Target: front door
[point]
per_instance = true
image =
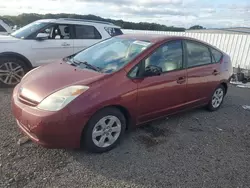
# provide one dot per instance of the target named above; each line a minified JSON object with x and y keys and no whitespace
{"x":58,"y":45}
{"x":163,"y":94}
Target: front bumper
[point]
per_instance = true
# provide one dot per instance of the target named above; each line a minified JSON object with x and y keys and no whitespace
{"x":50,"y":129}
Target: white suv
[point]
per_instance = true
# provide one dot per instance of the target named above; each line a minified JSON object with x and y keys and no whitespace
{"x":45,"y":41}
{"x":4,"y":28}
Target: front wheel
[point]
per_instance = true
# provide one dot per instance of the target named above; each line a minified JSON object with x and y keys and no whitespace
{"x":104,"y":130}
{"x":11,"y":71}
{"x":217,"y":98}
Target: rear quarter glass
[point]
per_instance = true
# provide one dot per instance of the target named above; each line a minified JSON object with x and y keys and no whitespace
{"x":217,"y":55}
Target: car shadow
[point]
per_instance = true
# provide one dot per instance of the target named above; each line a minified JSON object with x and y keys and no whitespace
{"x":149,"y":149}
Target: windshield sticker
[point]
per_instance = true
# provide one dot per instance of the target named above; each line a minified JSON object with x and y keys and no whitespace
{"x":142,"y":43}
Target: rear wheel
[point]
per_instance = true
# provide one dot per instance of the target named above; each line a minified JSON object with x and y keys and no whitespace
{"x":104,"y":130}
{"x":217,"y":98}
{"x":11,"y":71}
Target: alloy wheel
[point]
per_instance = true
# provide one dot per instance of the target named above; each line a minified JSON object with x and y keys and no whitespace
{"x":11,"y":73}
{"x":106,"y":131}
{"x":217,"y":97}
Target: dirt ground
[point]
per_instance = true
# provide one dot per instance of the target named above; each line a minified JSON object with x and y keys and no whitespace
{"x":192,"y":149}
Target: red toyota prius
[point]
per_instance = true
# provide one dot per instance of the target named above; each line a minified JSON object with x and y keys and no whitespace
{"x":92,"y":97}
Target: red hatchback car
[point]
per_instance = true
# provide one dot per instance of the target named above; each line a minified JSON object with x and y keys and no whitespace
{"x":92,"y":97}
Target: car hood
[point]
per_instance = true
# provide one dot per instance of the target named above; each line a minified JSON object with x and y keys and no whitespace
{"x":45,"y":80}
{"x":8,"y":39}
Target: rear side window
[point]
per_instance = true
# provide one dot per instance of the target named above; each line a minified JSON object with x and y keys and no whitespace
{"x":113,"y":31}
{"x":2,"y":29}
{"x":197,"y":54}
{"x":216,"y":55}
{"x":86,"y":32}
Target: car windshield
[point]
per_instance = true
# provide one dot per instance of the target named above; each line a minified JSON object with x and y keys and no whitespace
{"x":110,"y":55}
{"x":27,"y":30}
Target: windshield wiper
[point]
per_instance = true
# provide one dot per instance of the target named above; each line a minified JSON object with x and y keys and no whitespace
{"x":98,"y":69}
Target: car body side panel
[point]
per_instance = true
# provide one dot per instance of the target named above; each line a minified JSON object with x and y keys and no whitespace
{"x":200,"y":83}
{"x":12,"y":45}
{"x":37,"y":52}
{"x":160,"y":95}
{"x":50,"y":50}
{"x":116,"y":90}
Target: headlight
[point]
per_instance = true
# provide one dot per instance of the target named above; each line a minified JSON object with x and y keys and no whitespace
{"x":61,"y":98}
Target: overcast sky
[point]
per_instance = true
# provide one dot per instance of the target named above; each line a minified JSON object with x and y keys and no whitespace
{"x":184,"y":13}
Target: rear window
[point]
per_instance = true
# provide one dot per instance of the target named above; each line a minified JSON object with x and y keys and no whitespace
{"x":113,"y":31}
{"x":216,"y":55}
{"x":2,"y":29}
{"x":86,"y":32}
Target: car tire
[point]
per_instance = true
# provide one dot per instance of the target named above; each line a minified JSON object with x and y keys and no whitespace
{"x":11,"y":71}
{"x":104,"y":130}
{"x":217,"y":98}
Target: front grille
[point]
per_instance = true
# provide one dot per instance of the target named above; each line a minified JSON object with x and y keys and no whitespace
{"x":27,"y":101}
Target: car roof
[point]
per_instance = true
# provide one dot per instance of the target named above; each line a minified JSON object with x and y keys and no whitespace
{"x":155,"y":38}
{"x":78,"y":21}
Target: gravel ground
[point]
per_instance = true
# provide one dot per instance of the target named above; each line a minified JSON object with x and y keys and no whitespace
{"x":192,"y":149}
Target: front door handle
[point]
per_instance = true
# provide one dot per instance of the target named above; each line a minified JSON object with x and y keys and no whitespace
{"x":181,"y":80}
{"x":65,"y":44}
{"x":215,"y":72}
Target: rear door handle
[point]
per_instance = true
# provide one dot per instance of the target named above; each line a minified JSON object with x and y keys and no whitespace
{"x":215,"y":72}
{"x":181,"y":80}
{"x":65,"y":44}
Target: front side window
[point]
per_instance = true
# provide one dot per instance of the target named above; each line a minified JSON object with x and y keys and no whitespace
{"x":197,"y":54}
{"x":2,"y":29}
{"x":57,"y":31}
{"x":28,"y":30}
{"x":86,"y":32}
{"x":112,"y":54}
{"x":168,"y":57}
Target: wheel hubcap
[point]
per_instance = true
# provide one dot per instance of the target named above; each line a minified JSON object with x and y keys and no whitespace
{"x":11,"y":73}
{"x":106,"y":131}
{"x":217,"y":97}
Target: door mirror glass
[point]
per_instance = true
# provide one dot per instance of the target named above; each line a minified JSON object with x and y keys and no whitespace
{"x":42,"y":36}
{"x":152,"y":70}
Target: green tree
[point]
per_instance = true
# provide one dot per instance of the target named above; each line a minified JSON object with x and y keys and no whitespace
{"x":24,"y":19}
{"x":196,"y":27}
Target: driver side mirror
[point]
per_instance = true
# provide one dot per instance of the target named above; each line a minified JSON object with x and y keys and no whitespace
{"x":42,"y":36}
{"x":152,"y":70}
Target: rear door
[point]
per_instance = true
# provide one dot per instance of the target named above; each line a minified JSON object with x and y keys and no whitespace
{"x":215,"y":78}
{"x":202,"y":72}
{"x":166,"y":93}
{"x":58,"y":45}
{"x":85,"y":36}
